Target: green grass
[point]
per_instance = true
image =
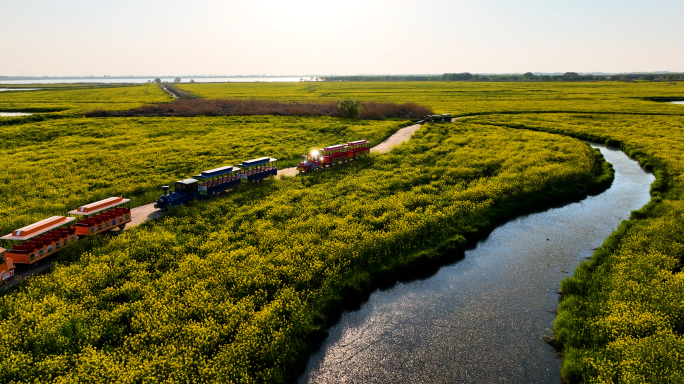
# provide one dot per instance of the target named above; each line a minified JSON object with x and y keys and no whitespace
{"x":621,"y":318}
{"x":239,"y":288}
{"x":74,"y":100}
{"x":51,"y":167}
{"x":462,"y":98}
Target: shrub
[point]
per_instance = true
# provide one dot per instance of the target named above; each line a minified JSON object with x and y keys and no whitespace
{"x":350,"y":108}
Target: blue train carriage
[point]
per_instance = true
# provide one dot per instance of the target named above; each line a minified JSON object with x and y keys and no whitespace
{"x":256,"y":170}
{"x":184,"y":191}
{"x":218,"y":180}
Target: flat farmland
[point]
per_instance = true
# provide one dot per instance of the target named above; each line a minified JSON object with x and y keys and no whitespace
{"x":239,"y":289}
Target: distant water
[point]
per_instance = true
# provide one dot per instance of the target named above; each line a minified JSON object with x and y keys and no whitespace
{"x":677,"y":102}
{"x":12,"y":114}
{"x":145,"y":80}
{"x":18,"y":89}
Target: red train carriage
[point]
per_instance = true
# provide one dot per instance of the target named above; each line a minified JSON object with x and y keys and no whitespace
{"x":356,"y":148}
{"x":334,"y":154}
{"x":102,"y":216}
{"x":32,"y":243}
{"x":6,"y":266}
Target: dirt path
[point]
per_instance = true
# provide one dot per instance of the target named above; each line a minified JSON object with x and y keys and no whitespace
{"x":397,"y":138}
{"x":147,"y":212}
{"x":168,"y":91}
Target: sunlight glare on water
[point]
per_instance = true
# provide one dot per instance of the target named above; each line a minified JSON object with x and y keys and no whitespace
{"x":480,"y":320}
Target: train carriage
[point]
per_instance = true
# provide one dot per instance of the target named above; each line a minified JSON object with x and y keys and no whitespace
{"x":33,"y":242}
{"x":6,"y":266}
{"x":218,"y":180}
{"x":102,"y":216}
{"x":258,"y":169}
{"x":356,"y":148}
{"x":334,"y":154}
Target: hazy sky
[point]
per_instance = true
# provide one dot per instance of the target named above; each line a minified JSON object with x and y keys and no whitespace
{"x":173,"y":37}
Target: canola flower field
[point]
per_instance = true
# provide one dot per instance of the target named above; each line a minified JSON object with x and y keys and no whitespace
{"x":50,"y":167}
{"x":463,"y":99}
{"x":54,"y":101}
{"x":238,"y":289}
{"x":620,"y":319}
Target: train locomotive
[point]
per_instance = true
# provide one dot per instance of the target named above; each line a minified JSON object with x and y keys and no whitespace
{"x":335,"y":154}
{"x":216,"y":181}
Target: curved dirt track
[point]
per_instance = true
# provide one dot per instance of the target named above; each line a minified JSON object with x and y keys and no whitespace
{"x":397,"y":138}
{"x":147,"y":212}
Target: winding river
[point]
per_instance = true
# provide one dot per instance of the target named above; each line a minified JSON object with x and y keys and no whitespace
{"x":480,"y":320}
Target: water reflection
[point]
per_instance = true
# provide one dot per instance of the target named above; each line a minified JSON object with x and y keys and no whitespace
{"x":480,"y":319}
{"x":18,"y":89}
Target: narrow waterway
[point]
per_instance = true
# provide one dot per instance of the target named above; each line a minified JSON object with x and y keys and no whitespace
{"x":480,"y":320}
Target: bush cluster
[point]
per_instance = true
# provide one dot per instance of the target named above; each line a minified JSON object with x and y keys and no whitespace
{"x":348,"y":108}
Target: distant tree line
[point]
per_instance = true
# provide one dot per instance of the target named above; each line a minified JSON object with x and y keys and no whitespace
{"x":528,"y":76}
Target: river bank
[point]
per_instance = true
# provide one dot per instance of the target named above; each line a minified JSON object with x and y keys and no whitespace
{"x":482,"y":318}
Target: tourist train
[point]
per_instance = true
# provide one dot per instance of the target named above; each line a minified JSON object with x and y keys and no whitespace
{"x":31,"y":244}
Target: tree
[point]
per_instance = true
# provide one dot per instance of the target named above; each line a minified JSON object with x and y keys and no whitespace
{"x":177,"y":80}
{"x":157,"y":80}
{"x":670,"y":77}
{"x":571,"y":76}
{"x":192,"y":80}
{"x":528,"y":76}
{"x":648,"y":77}
{"x":457,"y":76}
{"x":350,"y":108}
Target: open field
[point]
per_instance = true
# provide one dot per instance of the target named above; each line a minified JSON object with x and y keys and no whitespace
{"x":621,"y":319}
{"x":470,"y":98}
{"x":54,"y":166}
{"x":623,"y":315}
{"x":70,"y":100}
{"x":237,"y":289}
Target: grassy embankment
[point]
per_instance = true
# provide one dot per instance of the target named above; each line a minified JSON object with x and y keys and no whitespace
{"x":238,"y":289}
{"x":622,"y":314}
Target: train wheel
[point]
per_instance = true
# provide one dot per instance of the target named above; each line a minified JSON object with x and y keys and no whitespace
{"x":122,"y":226}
